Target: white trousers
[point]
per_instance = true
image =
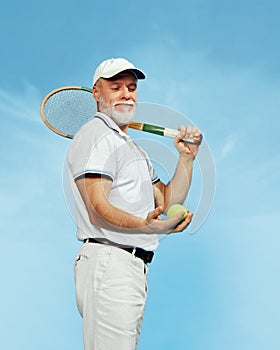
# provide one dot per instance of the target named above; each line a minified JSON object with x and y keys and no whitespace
{"x":111,"y":291}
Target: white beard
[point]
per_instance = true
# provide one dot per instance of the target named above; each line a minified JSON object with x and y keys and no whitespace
{"x":120,"y":118}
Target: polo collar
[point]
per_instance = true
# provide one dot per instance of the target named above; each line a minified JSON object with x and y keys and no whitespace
{"x":111,"y":124}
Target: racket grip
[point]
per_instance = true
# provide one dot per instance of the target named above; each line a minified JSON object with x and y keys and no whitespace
{"x":172,"y":133}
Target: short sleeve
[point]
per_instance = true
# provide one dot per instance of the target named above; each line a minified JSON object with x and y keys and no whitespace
{"x":100,"y":160}
{"x":92,"y":152}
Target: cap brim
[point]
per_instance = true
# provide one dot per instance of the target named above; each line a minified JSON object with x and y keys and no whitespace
{"x":139,"y":74}
{"x":136,"y":72}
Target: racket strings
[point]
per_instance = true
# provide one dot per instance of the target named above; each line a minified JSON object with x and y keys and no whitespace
{"x":68,"y":110}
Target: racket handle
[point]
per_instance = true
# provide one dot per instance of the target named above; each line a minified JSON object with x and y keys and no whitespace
{"x":159,"y":130}
{"x":172,"y":133}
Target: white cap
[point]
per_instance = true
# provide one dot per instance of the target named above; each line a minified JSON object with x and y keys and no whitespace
{"x":113,"y":66}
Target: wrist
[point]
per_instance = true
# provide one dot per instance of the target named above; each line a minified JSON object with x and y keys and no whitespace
{"x":187,"y":157}
{"x":145,"y":227}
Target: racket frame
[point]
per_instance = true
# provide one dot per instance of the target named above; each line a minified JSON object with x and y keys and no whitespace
{"x":48,"y":96}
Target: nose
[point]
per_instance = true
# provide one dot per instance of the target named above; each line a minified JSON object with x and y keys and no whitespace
{"x":125,"y":93}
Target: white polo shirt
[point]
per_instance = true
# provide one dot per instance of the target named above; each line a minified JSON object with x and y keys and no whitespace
{"x":100,"y":147}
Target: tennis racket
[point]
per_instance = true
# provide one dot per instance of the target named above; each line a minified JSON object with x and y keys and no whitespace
{"x":65,"y":110}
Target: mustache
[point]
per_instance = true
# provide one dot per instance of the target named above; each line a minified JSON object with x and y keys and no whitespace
{"x":128,"y":103}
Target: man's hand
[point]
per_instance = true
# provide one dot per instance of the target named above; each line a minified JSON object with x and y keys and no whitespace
{"x":155,"y":224}
{"x":185,"y":148}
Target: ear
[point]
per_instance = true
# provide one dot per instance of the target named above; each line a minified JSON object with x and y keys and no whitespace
{"x":95,"y":93}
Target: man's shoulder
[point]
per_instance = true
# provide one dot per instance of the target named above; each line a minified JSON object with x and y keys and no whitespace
{"x":92,"y":130}
{"x":93,"y":125}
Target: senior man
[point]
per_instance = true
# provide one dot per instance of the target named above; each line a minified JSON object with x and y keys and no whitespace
{"x":119,"y":199}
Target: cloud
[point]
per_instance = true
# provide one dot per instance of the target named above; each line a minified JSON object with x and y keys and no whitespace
{"x":229,"y":145}
{"x":31,"y":161}
{"x":23,"y":104}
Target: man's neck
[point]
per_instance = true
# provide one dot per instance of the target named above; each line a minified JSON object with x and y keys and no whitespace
{"x":124,"y":128}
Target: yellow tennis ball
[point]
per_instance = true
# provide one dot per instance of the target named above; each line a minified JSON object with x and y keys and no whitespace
{"x":175,"y":209}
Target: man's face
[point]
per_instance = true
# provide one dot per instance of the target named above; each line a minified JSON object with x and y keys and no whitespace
{"x":117,"y":97}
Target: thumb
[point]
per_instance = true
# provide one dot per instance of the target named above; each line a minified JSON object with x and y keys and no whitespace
{"x":156,"y":212}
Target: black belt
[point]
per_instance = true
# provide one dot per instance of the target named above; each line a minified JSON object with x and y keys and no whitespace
{"x":146,"y":256}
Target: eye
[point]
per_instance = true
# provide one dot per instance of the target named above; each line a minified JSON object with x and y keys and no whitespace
{"x":132,"y":88}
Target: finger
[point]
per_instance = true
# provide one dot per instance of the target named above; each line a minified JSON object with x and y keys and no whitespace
{"x":180,"y":216}
{"x":173,"y":222}
{"x":197,"y":136}
{"x":188,"y":132}
{"x":188,"y":218}
{"x":182,"y":130}
{"x":192,"y":130}
{"x":181,"y":134}
{"x":183,"y":224}
{"x":156,"y":212}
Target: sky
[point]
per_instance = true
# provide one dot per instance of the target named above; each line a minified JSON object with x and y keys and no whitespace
{"x":215,"y":63}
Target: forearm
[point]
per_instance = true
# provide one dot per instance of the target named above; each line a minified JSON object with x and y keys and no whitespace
{"x":177,"y":189}
{"x":106,"y":216}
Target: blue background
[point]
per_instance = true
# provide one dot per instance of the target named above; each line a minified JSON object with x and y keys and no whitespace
{"x":216,"y":62}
